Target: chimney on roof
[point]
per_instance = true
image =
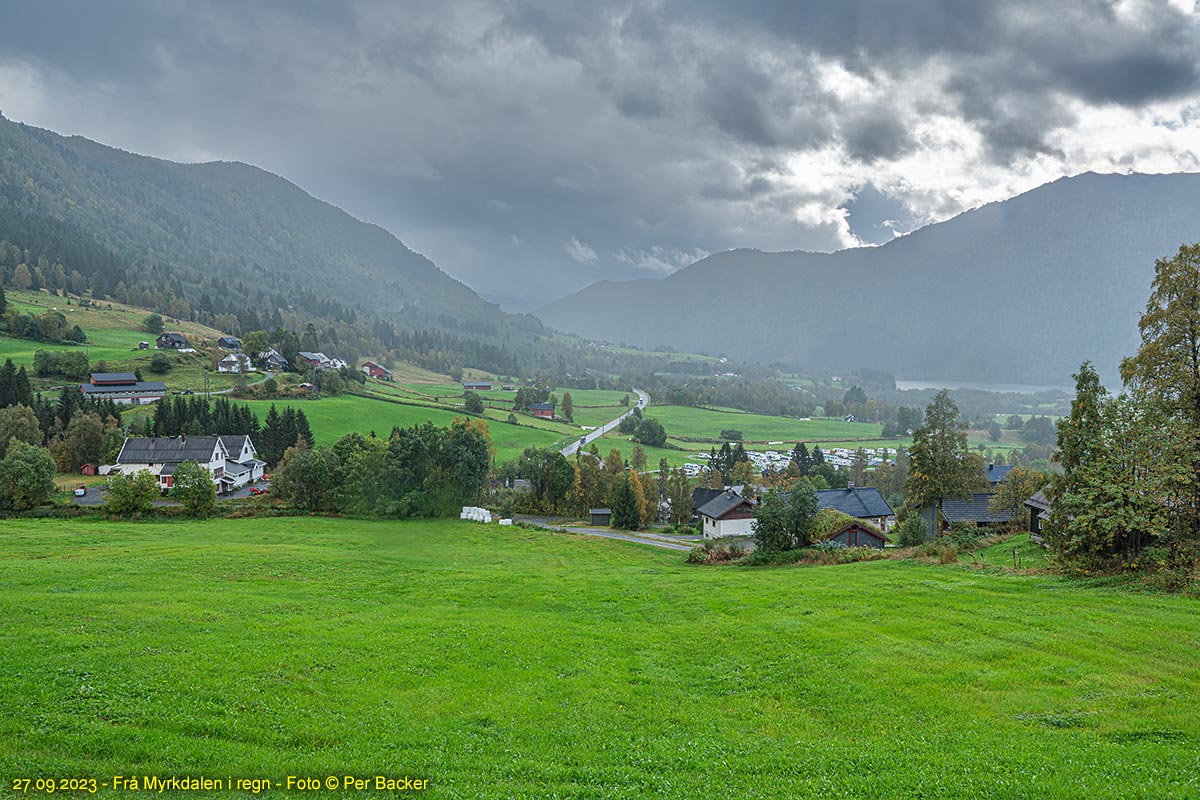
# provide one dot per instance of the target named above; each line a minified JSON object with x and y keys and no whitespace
{"x":183,"y":438}
{"x":850,"y":486}
{"x":991,"y":467}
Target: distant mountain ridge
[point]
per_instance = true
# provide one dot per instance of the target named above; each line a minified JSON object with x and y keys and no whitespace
{"x":210,"y":232}
{"x":1020,"y":291}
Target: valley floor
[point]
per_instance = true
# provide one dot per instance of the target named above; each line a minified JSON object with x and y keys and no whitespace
{"x":504,"y":662}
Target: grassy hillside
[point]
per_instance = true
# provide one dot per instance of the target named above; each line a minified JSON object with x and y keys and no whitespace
{"x":114,"y":331}
{"x":511,"y":663}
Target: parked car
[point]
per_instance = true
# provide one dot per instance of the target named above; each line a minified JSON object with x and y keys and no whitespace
{"x":257,"y":491}
{"x":80,"y":490}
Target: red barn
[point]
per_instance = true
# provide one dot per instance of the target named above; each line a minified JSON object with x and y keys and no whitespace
{"x":374,"y":370}
{"x":87,"y":469}
{"x":544,"y":410}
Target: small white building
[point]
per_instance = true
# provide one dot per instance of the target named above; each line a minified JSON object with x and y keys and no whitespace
{"x":727,"y":514}
{"x":236,"y":363}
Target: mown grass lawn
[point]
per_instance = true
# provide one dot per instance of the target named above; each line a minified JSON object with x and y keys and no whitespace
{"x":500,"y":662}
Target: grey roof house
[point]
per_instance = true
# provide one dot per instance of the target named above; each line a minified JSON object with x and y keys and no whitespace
{"x":860,"y":502}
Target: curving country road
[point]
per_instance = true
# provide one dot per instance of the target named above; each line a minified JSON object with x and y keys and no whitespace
{"x":591,"y":436}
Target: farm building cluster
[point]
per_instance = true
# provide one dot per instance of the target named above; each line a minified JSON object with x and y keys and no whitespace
{"x":730,"y":511}
{"x":232,"y":461}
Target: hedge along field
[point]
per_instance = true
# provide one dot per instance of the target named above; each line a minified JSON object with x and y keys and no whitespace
{"x":514,"y":663}
{"x":333,"y":417}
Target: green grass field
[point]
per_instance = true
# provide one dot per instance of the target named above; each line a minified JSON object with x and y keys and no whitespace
{"x":707,"y":423}
{"x":333,"y":417}
{"x":500,"y":662}
{"x":759,"y":430}
{"x":592,"y":406}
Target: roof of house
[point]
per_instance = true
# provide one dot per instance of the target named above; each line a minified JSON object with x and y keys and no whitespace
{"x":1038,"y":501}
{"x":859,"y":502}
{"x":233,"y":443}
{"x":138,"y":387}
{"x":229,"y":340}
{"x":995,"y":473}
{"x":829,"y":522}
{"x":701,"y":495}
{"x":114,"y":377}
{"x":173,"y":337}
{"x":541,"y":406}
{"x":234,"y":468}
{"x":974,"y":509}
{"x":723,"y":503}
{"x":167,"y":450}
{"x":314,"y":356}
{"x":599,"y":510}
{"x":235,"y":357}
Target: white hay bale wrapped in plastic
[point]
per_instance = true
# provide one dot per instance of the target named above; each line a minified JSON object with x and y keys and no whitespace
{"x":506,"y":522}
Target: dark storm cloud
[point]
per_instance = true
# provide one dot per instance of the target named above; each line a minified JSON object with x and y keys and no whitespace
{"x":513,"y":141}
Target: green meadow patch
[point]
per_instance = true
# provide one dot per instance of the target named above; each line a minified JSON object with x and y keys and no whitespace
{"x":333,"y":417}
{"x":504,"y":662}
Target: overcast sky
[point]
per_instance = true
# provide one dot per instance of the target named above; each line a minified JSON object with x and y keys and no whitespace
{"x":532,"y":148}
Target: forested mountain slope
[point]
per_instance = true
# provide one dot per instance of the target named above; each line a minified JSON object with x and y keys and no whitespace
{"x":218,"y":240}
{"x":1016,"y":291}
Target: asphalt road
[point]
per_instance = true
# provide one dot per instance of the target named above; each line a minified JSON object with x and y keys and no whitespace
{"x":608,"y":533}
{"x":584,"y":441}
{"x":96,"y":495}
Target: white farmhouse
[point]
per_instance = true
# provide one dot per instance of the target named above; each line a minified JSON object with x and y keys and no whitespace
{"x":160,"y":456}
{"x":727,"y":514}
{"x":232,"y":461}
{"x":236,"y":363}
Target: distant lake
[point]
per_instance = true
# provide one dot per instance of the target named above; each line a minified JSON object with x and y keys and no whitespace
{"x":1019,"y":388}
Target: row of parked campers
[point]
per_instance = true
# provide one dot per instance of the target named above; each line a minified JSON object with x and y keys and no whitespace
{"x":476,"y":514}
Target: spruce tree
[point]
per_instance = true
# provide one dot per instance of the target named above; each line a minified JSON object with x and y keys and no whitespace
{"x":8,"y":380}
{"x":303,"y":431}
{"x":22,"y":391}
{"x":272,"y":446}
{"x":289,"y":430}
{"x":802,"y":459}
{"x":626,"y":508}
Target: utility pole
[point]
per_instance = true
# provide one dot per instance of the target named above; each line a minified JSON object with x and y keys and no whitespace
{"x":206,"y":394}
